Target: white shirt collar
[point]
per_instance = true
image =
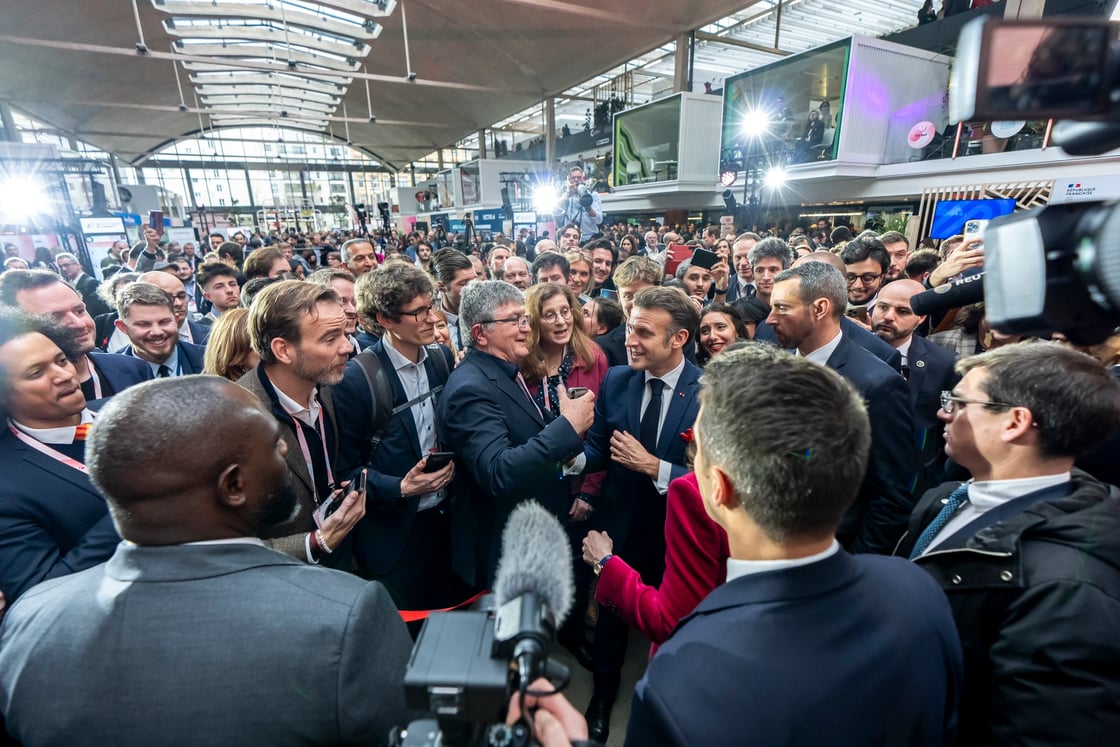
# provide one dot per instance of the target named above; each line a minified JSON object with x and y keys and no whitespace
{"x":824,"y":352}
{"x":992,"y":493}
{"x":230,"y":541}
{"x":185,"y":331}
{"x":737,"y":568}
{"x":398,"y":359}
{"x":670,"y":378}
{"x":63,"y":435}
{"x":904,"y":350}
{"x":308,"y":414}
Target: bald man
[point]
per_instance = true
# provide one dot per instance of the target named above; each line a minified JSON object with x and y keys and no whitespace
{"x":254,"y":647}
{"x":858,"y":333}
{"x":927,"y":368}
{"x":189,"y":330}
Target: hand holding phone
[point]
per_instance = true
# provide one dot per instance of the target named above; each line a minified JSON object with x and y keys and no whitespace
{"x":437,"y":460}
{"x":576,"y":392}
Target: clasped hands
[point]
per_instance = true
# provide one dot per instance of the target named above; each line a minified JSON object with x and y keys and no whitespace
{"x":629,"y":452}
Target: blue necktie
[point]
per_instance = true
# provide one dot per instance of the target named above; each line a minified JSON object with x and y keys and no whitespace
{"x":956,"y":498}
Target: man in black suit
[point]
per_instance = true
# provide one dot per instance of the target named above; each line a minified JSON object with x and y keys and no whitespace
{"x":807,"y":304}
{"x":641,"y":415}
{"x":148,"y":319}
{"x":927,"y":368}
{"x":253,"y":647}
{"x":42,"y":292}
{"x":803,"y":644}
{"x":633,"y":275}
{"x":506,"y":448}
{"x":52,"y":520}
{"x":86,"y":286}
{"x":404,"y":540}
{"x":742,"y":282}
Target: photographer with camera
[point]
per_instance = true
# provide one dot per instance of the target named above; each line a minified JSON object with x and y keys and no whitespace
{"x":579,"y":205}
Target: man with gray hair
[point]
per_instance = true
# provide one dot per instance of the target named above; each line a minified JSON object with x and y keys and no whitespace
{"x":806,"y":306}
{"x":506,"y":448}
{"x":516,"y":272}
{"x":72,"y":271}
{"x":358,"y":257}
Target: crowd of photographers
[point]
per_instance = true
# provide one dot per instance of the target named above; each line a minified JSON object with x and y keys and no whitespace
{"x":737,"y":431}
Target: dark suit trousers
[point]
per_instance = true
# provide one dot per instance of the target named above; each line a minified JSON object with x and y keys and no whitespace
{"x":645,"y":552}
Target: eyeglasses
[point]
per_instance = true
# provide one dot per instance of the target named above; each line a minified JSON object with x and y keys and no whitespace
{"x":520,"y":321}
{"x":866,"y":278}
{"x":420,"y":314}
{"x":949,"y":403}
{"x":553,"y":317}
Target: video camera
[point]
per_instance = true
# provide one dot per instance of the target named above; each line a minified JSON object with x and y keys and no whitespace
{"x":1051,"y":268}
{"x":465,"y":666}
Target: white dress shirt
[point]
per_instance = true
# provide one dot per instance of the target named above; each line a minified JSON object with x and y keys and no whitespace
{"x":414,"y":381}
{"x":664,"y":469}
{"x":737,"y":568}
{"x":308,"y":415}
{"x":824,"y":352}
{"x":63,"y":435}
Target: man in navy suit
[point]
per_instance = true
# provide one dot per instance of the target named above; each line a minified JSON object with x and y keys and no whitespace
{"x":404,"y":540}
{"x":807,"y":305}
{"x":42,"y":292}
{"x":803,"y":644}
{"x":633,"y":275}
{"x":927,"y":368}
{"x":52,"y":520}
{"x":148,"y":318}
{"x":641,"y":416}
{"x":506,"y":448}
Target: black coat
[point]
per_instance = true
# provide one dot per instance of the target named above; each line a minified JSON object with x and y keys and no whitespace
{"x":1036,"y":599}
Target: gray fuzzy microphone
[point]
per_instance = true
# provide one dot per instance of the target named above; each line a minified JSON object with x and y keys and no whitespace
{"x":533,"y":588}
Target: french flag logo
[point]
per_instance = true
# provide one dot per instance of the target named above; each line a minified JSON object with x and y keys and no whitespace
{"x":1074,"y":186}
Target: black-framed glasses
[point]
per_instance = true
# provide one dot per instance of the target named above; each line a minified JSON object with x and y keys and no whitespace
{"x":420,"y":314}
{"x":950,"y":402}
{"x":866,"y":278}
{"x":520,"y":321}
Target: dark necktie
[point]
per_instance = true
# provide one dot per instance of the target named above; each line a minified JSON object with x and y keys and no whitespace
{"x":952,"y":503}
{"x":906,"y":372}
{"x":647,"y":429}
{"x":163,"y":373}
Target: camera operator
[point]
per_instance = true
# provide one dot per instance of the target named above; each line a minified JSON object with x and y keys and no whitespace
{"x":580,"y":205}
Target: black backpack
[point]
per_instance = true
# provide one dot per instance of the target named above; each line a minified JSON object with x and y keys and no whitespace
{"x":381,"y":392}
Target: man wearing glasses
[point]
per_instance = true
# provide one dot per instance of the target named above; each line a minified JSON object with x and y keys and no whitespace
{"x":1027,"y":550}
{"x":867,"y":263}
{"x":404,"y":539}
{"x":506,"y":448}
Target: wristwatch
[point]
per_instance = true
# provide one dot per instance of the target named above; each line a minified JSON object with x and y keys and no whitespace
{"x":602,"y":562}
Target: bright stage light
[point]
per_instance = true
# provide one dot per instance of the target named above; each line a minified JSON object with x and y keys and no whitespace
{"x":545,"y":198}
{"x":22,"y":197}
{"x":756,"y":123}
{"x":775,"y":178}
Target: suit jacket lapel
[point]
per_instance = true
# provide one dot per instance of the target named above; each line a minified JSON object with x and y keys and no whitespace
{"x":509,"y":386}
{"x":917,"y":365}
{"x":634,"y":393}
{"x":682,"y":398}
{"x":50,"y":466}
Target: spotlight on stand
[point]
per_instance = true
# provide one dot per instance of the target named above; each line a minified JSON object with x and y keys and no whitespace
{"x":756,"y":123}
{"x":730,"y":201}
{"x":22,"y":199}
{"x":507,"y":206}
{"x":545,"y":198}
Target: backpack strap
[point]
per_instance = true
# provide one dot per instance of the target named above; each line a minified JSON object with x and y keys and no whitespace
{"x":381,"y":395}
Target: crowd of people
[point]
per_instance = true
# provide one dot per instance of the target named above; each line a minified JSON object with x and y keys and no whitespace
{"x":736,"y":447}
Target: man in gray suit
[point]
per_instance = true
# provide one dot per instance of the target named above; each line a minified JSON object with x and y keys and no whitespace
{"x":194,"y":632}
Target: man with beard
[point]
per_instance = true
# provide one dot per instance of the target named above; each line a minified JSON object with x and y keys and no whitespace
{"x":298,"y":330}
{"x":42,"y":292}
{"x":452,"y":271}
{"x":343,"y":284}
{"x":253,"y":647}
{"x":806,"y":305}
{"x":148,"y":318}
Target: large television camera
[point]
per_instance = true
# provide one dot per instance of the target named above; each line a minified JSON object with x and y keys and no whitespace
{"x":1053,"y":268}
{"x":466,"y":666}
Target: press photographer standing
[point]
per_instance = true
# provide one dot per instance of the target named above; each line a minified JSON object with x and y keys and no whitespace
{"x":580,"y":205}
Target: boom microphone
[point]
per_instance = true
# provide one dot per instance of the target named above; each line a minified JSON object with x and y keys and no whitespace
{"x":967,"y":290}
{"x":533,"y":589}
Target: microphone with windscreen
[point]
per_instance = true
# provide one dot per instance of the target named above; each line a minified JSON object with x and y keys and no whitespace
{"x":533,"y":589}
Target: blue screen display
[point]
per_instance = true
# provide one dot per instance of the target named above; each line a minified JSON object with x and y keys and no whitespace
{"x":950,"y":215}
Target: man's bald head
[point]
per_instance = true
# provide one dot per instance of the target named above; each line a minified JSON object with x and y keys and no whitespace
{"x":217,"y":489}
{"x":822,"y":256}
{"x":174,"y":287}
{"x":892,"y":317}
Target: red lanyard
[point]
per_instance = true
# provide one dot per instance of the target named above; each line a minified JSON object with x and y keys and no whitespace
{"x":42,"y":448}
{"x":306,"y":450}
